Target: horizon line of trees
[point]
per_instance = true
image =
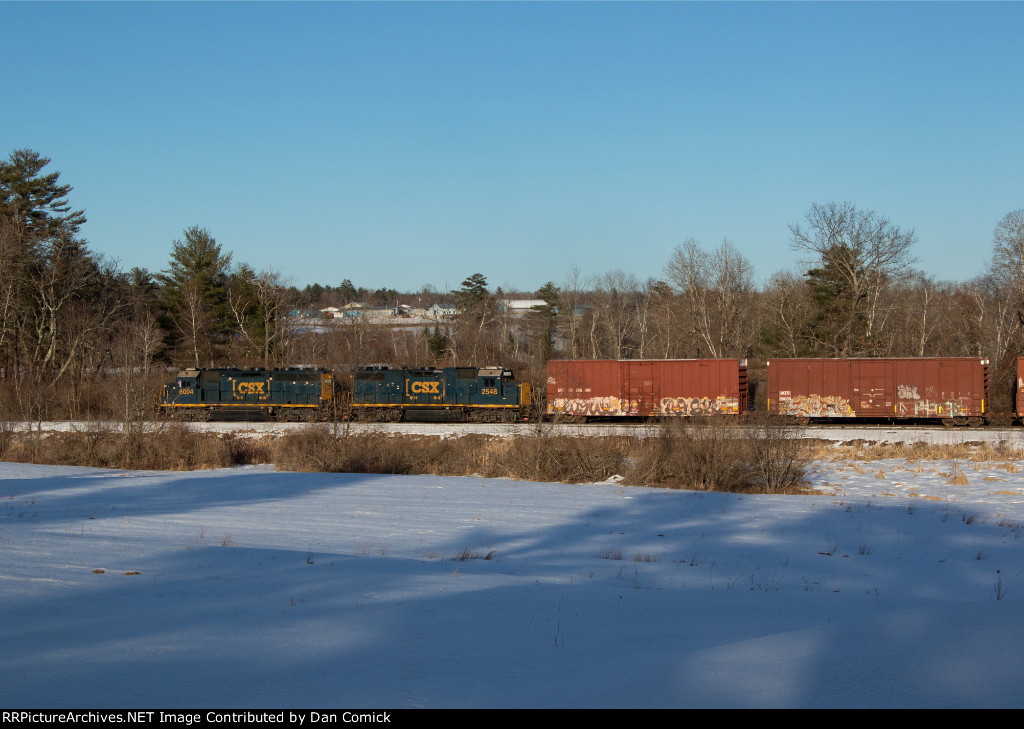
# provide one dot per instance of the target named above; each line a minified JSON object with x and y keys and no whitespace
{"x":80,"y":338}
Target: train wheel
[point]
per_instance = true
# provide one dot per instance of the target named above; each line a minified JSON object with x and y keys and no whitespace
{"x":961,"y":420}
{"x":948,"y":422}
{"x":975,"y":421}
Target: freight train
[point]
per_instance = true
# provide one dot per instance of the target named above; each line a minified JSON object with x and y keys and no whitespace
{"x":948,"y":390}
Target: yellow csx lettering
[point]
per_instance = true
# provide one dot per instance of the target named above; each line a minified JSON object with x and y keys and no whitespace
{"x":251,"y":388}
{"x":425,"y":388}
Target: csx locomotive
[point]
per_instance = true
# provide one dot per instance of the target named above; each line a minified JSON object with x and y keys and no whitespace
{"x":290,"y":393}
{"x":485,"y":394}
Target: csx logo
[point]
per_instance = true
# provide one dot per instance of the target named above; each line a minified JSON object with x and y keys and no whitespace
{"x":425,"y":388}
{"x":250,"y":388}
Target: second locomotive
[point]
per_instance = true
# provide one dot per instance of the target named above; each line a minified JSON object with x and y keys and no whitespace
{"x":485,"y":394}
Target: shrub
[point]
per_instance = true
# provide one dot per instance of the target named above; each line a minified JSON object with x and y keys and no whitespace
{"x":710,"y":454}
{"x":704,"y":454}
{"x":777,"y":455}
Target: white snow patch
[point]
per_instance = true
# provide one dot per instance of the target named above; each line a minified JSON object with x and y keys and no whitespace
{"x":260,"y":589}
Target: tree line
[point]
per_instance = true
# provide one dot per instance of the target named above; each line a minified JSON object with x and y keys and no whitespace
{"x":81,"y":338}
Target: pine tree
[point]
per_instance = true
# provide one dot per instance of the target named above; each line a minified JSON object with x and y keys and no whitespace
{"x":195,"y":295}
{"x":36,"y":204}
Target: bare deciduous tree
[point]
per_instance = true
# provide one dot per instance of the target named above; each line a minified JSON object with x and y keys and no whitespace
{"x":192,"y":320}
{"x":258,"y":302}
{"x":786,"y":315}
{"x":856,"y":253}
{"x":715,"y":289}
{"x":1008,"y":255}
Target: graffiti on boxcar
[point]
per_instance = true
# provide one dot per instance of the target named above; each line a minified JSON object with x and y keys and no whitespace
{"x":589,"y":406}
{"x":933,"y":409}
{"x":907,"y":392}
{"x":697,"y":406}
{"x":613,"y":406}
{"x":817,"y":406}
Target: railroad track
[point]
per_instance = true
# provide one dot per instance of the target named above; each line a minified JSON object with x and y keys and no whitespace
{"x":836,"y":433}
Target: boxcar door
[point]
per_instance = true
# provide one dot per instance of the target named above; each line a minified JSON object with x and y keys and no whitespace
{"x":639,"y":387}
{"x":875,"y":379}
{"x":954,"y":388}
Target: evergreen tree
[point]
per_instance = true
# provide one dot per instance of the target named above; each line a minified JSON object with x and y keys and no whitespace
{"x":195,"y":295}
{"x":473,"y":297}
{"x":36,"y":204}
{"x":347,"y":291}
{"x":543,"y":319}
{"x":56,"y":301}
{"x":839,"y":325}
{"x":474,"y":335}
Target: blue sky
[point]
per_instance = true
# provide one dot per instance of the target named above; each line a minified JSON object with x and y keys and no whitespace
{"x":403,"y":144}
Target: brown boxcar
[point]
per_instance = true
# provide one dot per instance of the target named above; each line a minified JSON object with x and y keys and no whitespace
{"x":951,"y":389}
{"x":608,"y":388}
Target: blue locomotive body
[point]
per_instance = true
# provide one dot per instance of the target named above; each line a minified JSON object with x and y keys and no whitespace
{"x":291,"y":393}
{"x":450,"y":394}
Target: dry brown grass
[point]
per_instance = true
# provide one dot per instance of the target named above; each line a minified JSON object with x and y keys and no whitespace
{"x":957,"y":477}
{"x":695,"y":454}
{"x":911,"y":452}
{"x":167,"y":448}
{"x":700,"y":455}
{"x":534,"y":458}
{"x":691,"y":455}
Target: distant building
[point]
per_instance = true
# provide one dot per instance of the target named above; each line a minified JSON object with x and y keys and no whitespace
{"x":437,"y":311}
{"x":519,"y":307}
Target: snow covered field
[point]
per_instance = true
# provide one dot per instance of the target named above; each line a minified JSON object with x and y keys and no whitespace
{"x":249,"y":588}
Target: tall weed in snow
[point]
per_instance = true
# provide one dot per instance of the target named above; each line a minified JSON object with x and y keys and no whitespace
{"x":6,"y":437}
{"x":778,"y":456}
